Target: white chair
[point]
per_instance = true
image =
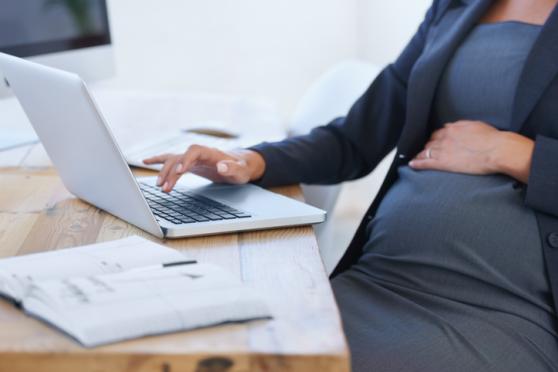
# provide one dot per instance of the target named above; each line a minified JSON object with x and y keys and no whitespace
{"x":331,"y":96}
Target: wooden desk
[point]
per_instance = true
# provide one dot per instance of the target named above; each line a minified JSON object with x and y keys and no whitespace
{"x":38,"y":214}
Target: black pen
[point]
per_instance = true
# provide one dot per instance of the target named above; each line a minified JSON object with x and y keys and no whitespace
{"x":163,"y":266}
{"x":179,"y":263}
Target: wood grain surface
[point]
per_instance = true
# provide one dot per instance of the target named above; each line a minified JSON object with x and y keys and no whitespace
{"x":38,"y":214}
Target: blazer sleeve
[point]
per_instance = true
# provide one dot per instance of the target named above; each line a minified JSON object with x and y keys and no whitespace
{"x":352,"y":146}
{"x":542,"y":187}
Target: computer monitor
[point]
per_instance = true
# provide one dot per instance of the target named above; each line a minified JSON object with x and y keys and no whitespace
{"x":72,"y":35}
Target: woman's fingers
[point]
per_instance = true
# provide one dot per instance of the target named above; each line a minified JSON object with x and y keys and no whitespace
{"x":421,"y":164}
{"x":424,"y":154}
{"x":195,"y":158}
{"x":159,"y":159}
{"x":439,"y":134}
{"x":163,"y":179}
{"x":426,"y":159}
{"x":211,"y":163}
{"x":183,"y":164}
{"x":175,"y":172}
{"x":190,"y":157}
{"x":421,"y":155}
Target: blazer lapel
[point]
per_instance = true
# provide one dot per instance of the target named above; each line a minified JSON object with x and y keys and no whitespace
{"x":428,"y":70}
{"x":540,"y":69}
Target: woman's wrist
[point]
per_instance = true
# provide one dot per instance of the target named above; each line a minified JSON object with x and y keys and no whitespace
{"x":255,"y":163}
{"x":513,"y":155}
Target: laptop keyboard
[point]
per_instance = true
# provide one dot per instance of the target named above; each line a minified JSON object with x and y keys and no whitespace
{"x":180,"y":207}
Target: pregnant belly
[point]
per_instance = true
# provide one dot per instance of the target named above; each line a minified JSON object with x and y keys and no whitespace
{"x":439,"y":231}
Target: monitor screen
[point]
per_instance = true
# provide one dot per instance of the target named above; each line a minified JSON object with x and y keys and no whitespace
{"x":35,"y":27}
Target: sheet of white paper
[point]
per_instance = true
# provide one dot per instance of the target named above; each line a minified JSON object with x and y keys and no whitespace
{"x":108,"y":308}
{"x":103,"y":258}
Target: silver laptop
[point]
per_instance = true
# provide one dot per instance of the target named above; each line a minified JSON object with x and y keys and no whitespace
{"x":90,"y":163}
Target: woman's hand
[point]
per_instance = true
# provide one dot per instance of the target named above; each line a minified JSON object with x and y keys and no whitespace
{"x":238,"y":167}
{"x":474,"y":147}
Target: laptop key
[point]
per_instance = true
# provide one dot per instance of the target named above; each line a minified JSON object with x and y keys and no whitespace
{"x":199,"y":218}
{"x":224,"y":214}
{"x":242,"y":215}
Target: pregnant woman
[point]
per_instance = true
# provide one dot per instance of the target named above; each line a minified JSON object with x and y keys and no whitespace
{"x":455,"y":265}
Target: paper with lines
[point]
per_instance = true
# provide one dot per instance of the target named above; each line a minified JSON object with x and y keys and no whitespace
{"x":119,"y":290}
{"x":17,"y":273}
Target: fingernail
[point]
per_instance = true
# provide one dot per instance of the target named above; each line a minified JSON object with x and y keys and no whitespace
{"x":222,"y":168}
{"x":412,"y":163}
{"x":165,"y":186}
{"x":159,"y":180}
{"x":179,"y":168}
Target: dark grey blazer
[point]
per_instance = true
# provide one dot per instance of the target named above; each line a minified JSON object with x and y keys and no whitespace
{"x":396,"y":110}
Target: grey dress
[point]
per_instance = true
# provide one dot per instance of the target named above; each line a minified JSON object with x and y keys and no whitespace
{"x":453,"y":275}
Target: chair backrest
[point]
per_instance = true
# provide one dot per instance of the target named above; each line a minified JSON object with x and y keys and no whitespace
{"x":329,"y":97}
{"x":332,"y":95}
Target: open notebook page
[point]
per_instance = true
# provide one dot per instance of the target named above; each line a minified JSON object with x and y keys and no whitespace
{"x":17,"y":273}
{"x":102,"y":309}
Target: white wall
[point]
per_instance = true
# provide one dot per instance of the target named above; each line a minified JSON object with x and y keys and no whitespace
{"x":271,"y":49}
{"x":268,"y":49}
{"x":385,"y":27}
